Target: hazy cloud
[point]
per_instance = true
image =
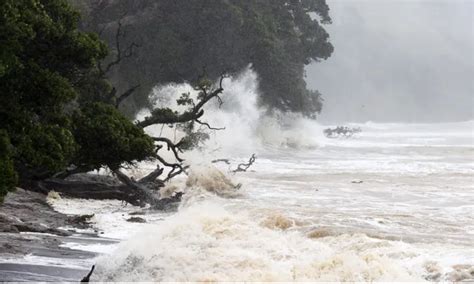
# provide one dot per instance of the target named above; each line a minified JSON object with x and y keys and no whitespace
{"x":398,"y":61}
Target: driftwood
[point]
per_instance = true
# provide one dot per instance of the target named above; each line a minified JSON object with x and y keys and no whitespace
{"x":341,"y":131}
{"x":125,"y":188}
{"x":226,"y":161}
{"x":87,"y":278}
{"x":245,"y":166}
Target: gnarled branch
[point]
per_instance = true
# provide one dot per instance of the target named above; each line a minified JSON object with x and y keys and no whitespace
{"x":171,"y":146}
{"x":221,"y":161}
{"x":151,"y":177}
{"x":120,"y":54}
{"x":208,"y":126}
{"x":125,"y":95}
{"x":244,"y":167}
{"x":172,"y":174}
{"x":165,"y":116}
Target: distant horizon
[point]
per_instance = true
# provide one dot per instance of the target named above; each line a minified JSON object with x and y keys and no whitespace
{"x":330,"y":123}
{"x":409,"y":61}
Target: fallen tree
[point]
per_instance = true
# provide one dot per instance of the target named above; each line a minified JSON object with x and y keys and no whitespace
{"x":145,"y":190}
{"x":59,"y":113}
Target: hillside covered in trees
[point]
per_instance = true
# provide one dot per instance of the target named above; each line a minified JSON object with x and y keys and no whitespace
{"x":176,"y":40}
{"x":64,"y":94}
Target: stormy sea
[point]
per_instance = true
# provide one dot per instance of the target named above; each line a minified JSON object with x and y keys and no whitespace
{"x":394,"y":202}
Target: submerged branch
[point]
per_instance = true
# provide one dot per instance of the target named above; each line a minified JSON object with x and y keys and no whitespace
{"x":221,"y":160}
{"x":244,"y":167}
{"x":87,"y":278}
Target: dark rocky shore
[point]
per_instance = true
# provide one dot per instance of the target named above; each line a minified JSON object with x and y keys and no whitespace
{"x":29,"y":226}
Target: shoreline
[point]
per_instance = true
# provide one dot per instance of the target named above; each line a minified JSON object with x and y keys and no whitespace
{"x":32,"y":232}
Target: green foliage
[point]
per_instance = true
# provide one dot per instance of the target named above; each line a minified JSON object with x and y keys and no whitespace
{"x":185,"y":99}
{"x":8,"y":176}
{"x":42,"y":56}
{"x":165,"y":115}
{"x":47,"y":71}
{"x":107,"y":138}
{"x":46,"y":148}
{"x":193,"y":140}
{"x":278,"y":37}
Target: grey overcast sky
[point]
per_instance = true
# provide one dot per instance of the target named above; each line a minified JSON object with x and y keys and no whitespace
{"x":398,"y":60}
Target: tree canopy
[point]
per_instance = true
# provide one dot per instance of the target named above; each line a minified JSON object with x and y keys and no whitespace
{"x":8,"y":176}
{"x":177,"y":39}
{"x":45,"y":65}
{"x":59,"y":112}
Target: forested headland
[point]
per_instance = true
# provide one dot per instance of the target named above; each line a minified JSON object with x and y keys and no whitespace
{"x":175,"y":41}
{"x":74,"y":73}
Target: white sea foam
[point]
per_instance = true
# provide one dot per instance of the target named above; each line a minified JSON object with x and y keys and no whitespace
{"x":205,"y":242}
{"x":393,"y":203}
{"x":248,"y":126}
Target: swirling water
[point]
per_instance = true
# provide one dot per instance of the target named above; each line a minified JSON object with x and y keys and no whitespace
{"x":393,"y":203}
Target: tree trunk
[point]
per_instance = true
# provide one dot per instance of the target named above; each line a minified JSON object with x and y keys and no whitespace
{"x":90,"y":190}
{"x":137,"y":195}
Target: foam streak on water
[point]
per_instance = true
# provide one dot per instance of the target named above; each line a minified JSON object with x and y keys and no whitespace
{"x":394,"y":203}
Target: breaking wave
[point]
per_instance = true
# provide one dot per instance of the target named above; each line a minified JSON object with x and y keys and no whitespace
{"x":227,"y":232}
{"x":248,"y":126}
{"x":205,"y":241}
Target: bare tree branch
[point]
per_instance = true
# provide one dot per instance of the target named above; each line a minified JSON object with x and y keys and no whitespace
{"x":195,"y":113}
{"x":125,"y":179}
{"x":120,"y":54}
{"x":125,"y":95}
{"x":221,"y":161}
{"x":145,"y":195}
{"x":170,"y":165}
{"x":86,"y":279}
{"x":220,"y":101}
{"x":173,"y":174}
{"x":244,"y":167}
{"x":151,"y":177}
{"x":208,"y":126}
{"x":171,"y":146}
{"x":72,"y":171}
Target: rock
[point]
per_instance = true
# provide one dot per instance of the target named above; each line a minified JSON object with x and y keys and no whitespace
{"x":7,"y":228}
{"x":136,"y":220}
{"x":25,"y":211}
{"x":40,"y":228}
{"x":137,"y":213}
{"x":81,"y":221}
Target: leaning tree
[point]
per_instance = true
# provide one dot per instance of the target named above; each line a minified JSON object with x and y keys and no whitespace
{"x":59,"y":116}
{"x":142,"y":191}
{"x":177,"y":38}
